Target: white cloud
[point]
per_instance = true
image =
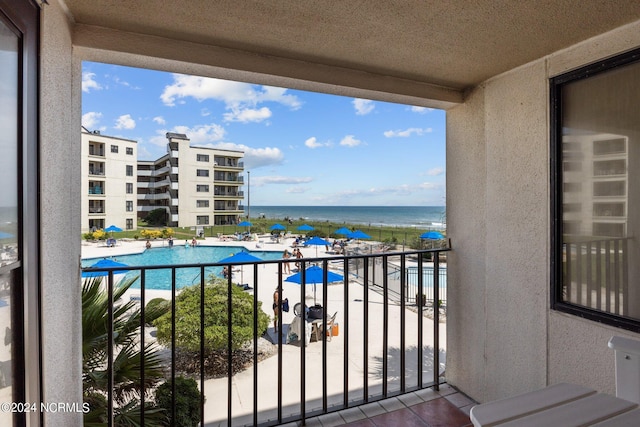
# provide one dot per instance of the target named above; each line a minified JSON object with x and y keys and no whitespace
{"x":281,"y":180}
{"x":420,"y":110}
{"x":199,"y":134}
{"x":202,"y":134}
{"x":117,"y":80}
{"x":313,"y":143}
{"x":125,"y":122}
{"x":435,"y":171}
{"x":363,"y":106}
{"x":247,"y":115}
{"x":296,"y":190}
{"x":91,"y":119}
{"x":89,"y":82}
{"x":350,"y":141}
{"x":205,"y":112}
{"x":254,"y":157}
{"x":429,"y":186}
{"x":407,"y":132}
{"x":234,"y":94}
{"x":160,"y":120}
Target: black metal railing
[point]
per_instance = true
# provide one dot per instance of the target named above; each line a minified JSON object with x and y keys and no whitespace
{"x":386,"y":345}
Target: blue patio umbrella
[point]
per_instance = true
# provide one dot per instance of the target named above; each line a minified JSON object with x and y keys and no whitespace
{"x":312,"y":276}
{"x":317,"y":241}
{"x":358,"y":235}
{"x":4,"y":235}
{"x":432,"y":235}
{"x":277,"y":227}
{"x":343,"y":231}
{"x":240,"y":257}
{"x":112,"y":229}
{"x":104,"y":263}
{"x":245,"y":224}
{"x":305,"y":227}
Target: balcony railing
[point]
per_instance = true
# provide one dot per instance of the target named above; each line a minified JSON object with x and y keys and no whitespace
{"x":596,"y":274}
{"x":388,"y":341}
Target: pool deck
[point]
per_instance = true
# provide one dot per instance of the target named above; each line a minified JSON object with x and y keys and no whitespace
{"x":216,"y":390}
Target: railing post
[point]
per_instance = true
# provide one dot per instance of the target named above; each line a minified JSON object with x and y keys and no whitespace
{"x":365,"y":346}
{"x":420,"y":294}
{"x":345,"y":333}
{"x":110,"y":345}
{"x":324,"y":334}
{"x":280,"y":349}
{"x":436,"y":320}
{"x":402,"y":325}
{"x":173,"y":343}
{"x":385,"y":326}
{"x":229,"y":348}
{"x":142,"y":358}
{"x":303,"y":342}
{"x":255,"y":336}
{"x":202,"y":354}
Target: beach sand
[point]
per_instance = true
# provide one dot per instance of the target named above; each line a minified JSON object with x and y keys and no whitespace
{"x":216,"y":390}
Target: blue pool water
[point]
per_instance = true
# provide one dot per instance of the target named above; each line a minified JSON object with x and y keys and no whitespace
{"x":179,"y":254}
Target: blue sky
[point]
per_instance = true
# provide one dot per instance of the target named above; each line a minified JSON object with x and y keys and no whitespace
{"x":302,"y":148}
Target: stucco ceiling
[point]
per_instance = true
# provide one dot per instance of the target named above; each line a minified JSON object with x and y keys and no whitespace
{"x":451,"y":44}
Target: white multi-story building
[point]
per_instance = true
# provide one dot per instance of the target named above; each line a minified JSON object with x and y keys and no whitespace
{"x":196,"y":186}
{"x":108,"y":181}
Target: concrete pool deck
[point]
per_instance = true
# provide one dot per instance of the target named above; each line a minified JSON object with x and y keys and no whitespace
{"x":216,"y":390}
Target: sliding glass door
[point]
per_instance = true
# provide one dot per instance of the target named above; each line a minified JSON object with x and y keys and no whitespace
{"x":19,"y":312}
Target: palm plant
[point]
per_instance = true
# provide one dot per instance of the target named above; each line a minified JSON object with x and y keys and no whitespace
{"x":129,"y":359}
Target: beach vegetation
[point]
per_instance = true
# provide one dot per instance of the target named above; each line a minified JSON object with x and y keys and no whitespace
{"x":154,"y":306}
{"x":98,"y":235}
{"x":156,"y":217}
{"x":187,"y":402}
{"x":407,"y":237}
{"x":187,"y":324}
{"x":127,"y":357}
{"x":151,"y":234}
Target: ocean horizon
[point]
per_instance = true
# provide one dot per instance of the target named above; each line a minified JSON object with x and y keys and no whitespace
{"x":404,"y":216}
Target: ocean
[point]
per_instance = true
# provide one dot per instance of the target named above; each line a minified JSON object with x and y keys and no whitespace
{"x":422,"y":217}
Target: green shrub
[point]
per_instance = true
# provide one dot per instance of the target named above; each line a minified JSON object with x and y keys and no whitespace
{"x":215,"y":318}
{"x":157,"y":217}
{"x":187,"y":402}
{"x":156,"y":305}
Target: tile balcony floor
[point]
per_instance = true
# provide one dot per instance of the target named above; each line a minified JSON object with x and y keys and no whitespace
{"x":425,"y":408}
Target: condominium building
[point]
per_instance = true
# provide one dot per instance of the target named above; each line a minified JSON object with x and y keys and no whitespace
{"x":196,"y":186}
{"x":108,"y":181}
{"x":596,"y":184}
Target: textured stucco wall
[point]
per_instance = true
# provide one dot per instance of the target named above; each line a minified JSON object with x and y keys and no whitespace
{"x":60,"y":216}
{"x":497,"y":209}
{"x":502,"y":337}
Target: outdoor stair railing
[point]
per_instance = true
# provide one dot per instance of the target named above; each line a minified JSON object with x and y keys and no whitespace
{"x":414,"y":364}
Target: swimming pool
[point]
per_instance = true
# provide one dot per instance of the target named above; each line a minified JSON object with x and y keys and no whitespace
{"x":161,"y":279}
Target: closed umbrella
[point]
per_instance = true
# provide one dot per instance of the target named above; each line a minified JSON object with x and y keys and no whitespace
{"x":313,"y":275}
